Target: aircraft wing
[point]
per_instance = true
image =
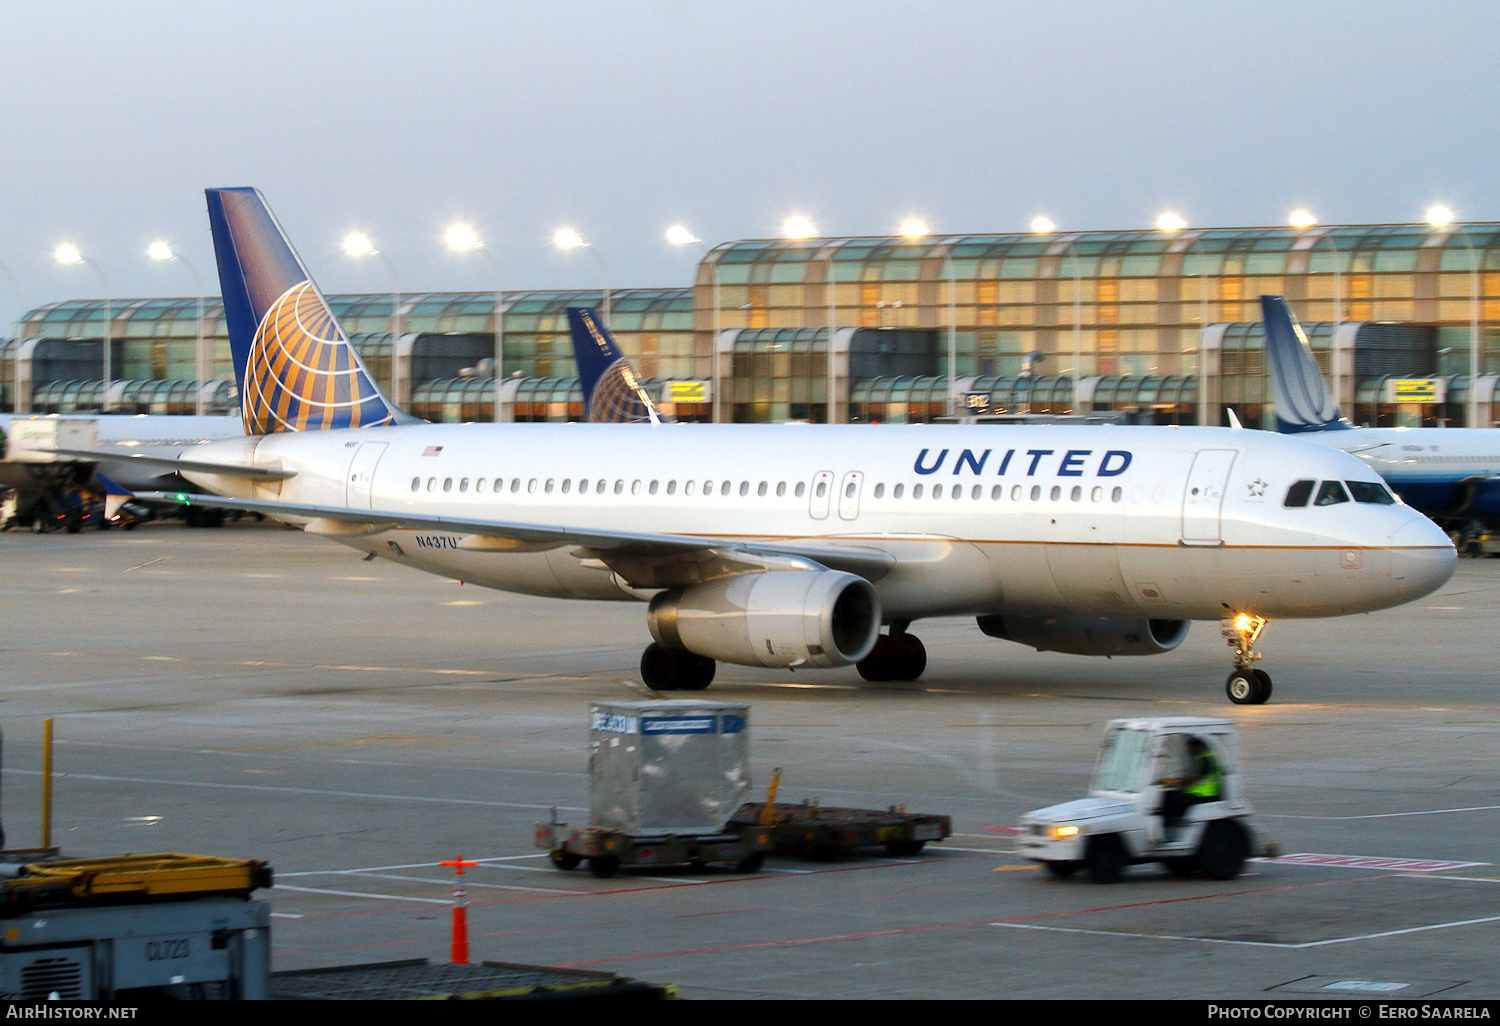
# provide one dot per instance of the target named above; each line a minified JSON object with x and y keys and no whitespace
{"x":645,"y":560}
{"x":174,"y":464}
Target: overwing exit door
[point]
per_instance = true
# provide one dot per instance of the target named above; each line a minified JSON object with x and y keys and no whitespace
{"x":822,"y":495}
{"x":1203,"y":500}
{"x":849,"y":489}
{"x":362,"y":475}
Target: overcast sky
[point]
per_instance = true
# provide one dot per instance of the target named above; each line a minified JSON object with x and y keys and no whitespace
{"x":620,"y":118}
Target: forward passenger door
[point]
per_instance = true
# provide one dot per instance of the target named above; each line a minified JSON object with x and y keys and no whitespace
{"x":1203,"y":500}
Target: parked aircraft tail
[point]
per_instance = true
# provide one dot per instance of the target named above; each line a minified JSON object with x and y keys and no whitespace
{"x":1297,"y":387}
{"x":295,"y":366}
{"x":612,"y":394}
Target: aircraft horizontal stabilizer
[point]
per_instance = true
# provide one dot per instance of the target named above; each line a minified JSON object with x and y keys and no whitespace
{"x":645,"y":560}
{"x":170,"y":463}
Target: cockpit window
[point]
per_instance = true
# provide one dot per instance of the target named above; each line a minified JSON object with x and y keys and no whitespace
{"x":1371,"y":491}
{"x":1331,"y":493}
{"x":1299,"y":493}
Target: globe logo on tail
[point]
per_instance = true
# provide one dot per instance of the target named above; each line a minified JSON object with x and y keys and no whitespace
{"x":302,"y":374}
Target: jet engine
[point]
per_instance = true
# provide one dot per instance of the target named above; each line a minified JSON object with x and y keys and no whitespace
{"x":1088,"y":635}
{"x":787,"y":618}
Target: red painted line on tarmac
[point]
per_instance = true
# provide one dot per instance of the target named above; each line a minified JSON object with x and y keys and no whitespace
{"x":798,"y":941}
{"x":726,"y":912}
{"x":553,"y":929}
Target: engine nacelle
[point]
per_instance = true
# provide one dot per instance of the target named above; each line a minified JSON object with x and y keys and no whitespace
{"x":1088,"y":635}
{"x":778,"y":618}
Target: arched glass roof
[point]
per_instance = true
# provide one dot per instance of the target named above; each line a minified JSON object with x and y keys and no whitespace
{"x":1142,"y":253}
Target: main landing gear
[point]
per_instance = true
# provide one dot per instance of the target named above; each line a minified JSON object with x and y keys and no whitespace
{"x":896,"y":656}
{"x":673,"y":669}
{"x":1246,"y":685}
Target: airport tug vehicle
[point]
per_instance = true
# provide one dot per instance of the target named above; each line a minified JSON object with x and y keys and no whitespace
{"x":1146,"y":768}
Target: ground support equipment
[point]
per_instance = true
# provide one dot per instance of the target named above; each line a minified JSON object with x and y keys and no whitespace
{"x":816,"y":831}
{"x":417,"y":979}
{"x":135,"y":927}
{"x":741,"y":846}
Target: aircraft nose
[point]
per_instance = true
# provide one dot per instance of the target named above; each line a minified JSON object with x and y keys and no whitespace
{"x":1422,"y":557}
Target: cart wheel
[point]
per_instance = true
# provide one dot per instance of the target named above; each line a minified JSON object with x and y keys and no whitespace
{"x":1223,"y":850}
{"x":564,"y":859}
{"x":751,"y":863}
{"x":902,"y":849}
{"x":604,"y":866}
{"x":1105,"y":859}
{"x":1061,"y":870}
{"x":1181,"y":867}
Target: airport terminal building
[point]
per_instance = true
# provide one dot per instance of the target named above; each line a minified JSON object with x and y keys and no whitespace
{"x":1164,"y":326}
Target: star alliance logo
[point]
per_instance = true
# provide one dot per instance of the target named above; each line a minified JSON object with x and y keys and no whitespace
{"x":1258,"y":488}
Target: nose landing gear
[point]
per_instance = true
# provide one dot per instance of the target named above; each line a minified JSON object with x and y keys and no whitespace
{"x":1247,"y":685}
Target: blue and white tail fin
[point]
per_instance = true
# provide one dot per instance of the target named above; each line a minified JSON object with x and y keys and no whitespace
{"x":1297,"y":387}
{"x":612,"y":394}
{"x":295,"y":367}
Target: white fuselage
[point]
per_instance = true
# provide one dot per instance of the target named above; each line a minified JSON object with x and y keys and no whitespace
{"x":1130,"y":521}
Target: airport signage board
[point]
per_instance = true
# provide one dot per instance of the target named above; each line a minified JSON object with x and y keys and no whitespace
{"x":1416,"y":390}
{"x":688,"y":392}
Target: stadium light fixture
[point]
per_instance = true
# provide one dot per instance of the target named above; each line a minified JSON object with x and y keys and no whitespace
{"x":461,"y":238}
{"x":677,"y":235}
{"x":1170,"y":222}
{"x":1042,"y":226}
{"x":356,"y":244}
{"x":1439,"y":217}
{"x":567,"y":238}
{"x":1301,"y":218}
{"x":914,"y":228}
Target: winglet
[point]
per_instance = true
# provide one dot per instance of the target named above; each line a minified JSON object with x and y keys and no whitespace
{"x":1301,"y":398}
{"x":1234,"y":419}
{"x":115,"y":496}
{"x":612,"y":394}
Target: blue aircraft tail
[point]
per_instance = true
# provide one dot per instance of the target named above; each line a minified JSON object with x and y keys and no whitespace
{"x":295,"y":367}
{"x":612,"y":394}
{"x":1297,"y":387}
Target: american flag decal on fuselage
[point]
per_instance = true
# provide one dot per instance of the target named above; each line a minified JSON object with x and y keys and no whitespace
{"x":302,"y":373}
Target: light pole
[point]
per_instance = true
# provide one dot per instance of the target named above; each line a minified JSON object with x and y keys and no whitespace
{"x":358,"y":245}
{"x":1303,"y":220}
{"x":799,"y":227}
{"x":162,"y":251}
{"x":67,"y":253}
{"x":15,"y":352}
{"x":460,"y":238}
{"x":1442,"y":218}
{"x":677,"y":235}
{"x":567,"y":238}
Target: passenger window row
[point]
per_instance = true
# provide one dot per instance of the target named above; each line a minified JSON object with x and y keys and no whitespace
{"x":997,"y":492}
{"x":602,"y":486}
{"x":1331,"y":493}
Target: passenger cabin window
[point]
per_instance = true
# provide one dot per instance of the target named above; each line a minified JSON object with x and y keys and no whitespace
{"x":583,"y":486}
{"x":937,"y":491}
{"x":1331,"y":493}
{"x":916,"y":491}
{"x":724,"y":488}
{"x":416,"y":483}
{"x":653,"y":486}
{"x":760,"y":489}
{"x":1371,"y":491}
{"x":1298,"y":494}
{"x":690,"y":488}
{"x":599,"y":485}
{"x":822,"y":488}
{"x":480,"y":483}
{"x":499,"y":483}
{"x":744,"y":487}
{"x":431,"y":483}
{"x":997,"y":491}
{"x":515,"y":485}
{"x":463,"y":485}
{"x":880,"y":491}
{"x":896,"y":491}
{"x":567,"y":485}
{"x":780,"y":489}
{"x":801,"y":488}
{"x":976,"y":492}
{"x":672,"y":487}
{"x":447,"y":484}
{"x":548,"y":486}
